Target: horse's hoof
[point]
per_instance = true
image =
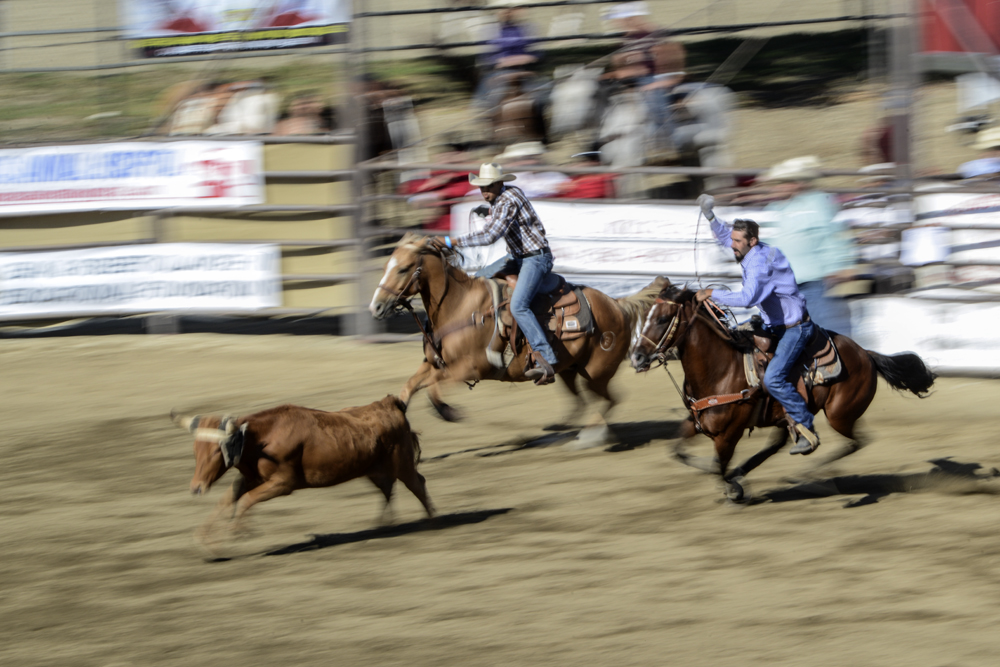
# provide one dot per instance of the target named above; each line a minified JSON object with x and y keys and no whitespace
{"x":706,"y":464}
{"x":590,"y":438}
{"x":737,"y":490}
{"x":447,"y":413}
{"x":560,"y":426}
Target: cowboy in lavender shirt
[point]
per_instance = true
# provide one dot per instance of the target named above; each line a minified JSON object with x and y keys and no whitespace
{"x":769,"y":284}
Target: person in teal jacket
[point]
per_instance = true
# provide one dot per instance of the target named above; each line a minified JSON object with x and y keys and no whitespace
{"x":819,"y":250}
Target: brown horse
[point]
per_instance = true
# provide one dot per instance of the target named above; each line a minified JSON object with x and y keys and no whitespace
{"x":460,"y":311}
{"x":721,"y":402}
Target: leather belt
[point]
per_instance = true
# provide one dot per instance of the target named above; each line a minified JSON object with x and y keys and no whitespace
{"x":536,"y":253}
{"x":805,"y":318}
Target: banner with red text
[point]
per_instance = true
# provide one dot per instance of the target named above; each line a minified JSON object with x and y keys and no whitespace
{"x":156,"y":28}
{"x":131,"y":176}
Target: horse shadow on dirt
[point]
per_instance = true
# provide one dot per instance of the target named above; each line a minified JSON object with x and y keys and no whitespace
{"x":439,"y":522}
{"x":946,"y":476}
{"x":628,"y":436}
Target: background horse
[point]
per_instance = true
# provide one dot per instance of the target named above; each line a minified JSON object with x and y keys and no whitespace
{"x":712,"y":357}
{"x":461,"y":315}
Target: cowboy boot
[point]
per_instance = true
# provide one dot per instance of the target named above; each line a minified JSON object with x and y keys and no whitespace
{"x":806,"y":439}
{"x":541,"y":372}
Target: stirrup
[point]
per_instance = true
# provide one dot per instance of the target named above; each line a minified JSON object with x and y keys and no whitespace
{"x":542,"y":372}
{"x":806,"y":440}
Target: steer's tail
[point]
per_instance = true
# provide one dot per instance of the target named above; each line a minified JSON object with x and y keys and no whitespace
{"x":635,"y":306}
{"x":904,"y":371}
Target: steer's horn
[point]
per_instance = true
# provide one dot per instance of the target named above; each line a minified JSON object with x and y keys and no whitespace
{"x":188,"y":423}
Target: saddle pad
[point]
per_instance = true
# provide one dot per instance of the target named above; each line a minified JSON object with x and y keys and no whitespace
{"x":820,"y":362}
{"x":568,"y":317}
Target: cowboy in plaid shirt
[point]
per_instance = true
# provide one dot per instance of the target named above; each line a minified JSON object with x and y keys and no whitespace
{"x":514,"y":218}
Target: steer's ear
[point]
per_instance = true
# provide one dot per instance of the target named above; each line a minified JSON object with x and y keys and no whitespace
{"x":188,"y":423}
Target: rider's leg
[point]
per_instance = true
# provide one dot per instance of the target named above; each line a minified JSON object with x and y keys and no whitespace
{"x":490,"y":270}
{"x":533,"y":272}
{"x":778,"y":384}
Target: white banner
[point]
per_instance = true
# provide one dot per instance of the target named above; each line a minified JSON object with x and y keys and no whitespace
{"x":141,"y":278}
{"x":952,"y":337}
{"x":158,"y":28}
{"x":961,"y":209}
{"x":626,"y":244}
{"x":131,"y":176}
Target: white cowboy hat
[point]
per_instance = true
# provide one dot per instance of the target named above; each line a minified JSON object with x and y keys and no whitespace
{"x":524,"y":149}
{"x":988,"y":139}
{"x":489,"y":174}
{"x":796,"y":169}
{"x":626,"y":10}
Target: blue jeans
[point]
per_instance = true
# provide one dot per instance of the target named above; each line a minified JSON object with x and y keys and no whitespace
{"x":830,"y":312}
{"x":783,"y":367}
{"x":490,"y":270}
{"x":534,"y":277}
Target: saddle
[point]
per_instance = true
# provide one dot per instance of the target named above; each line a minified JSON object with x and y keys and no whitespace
{"x":563,"y":312}
{"x":820,"y":361}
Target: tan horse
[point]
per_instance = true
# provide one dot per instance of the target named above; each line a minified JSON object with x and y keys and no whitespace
{"x":460,"y":310}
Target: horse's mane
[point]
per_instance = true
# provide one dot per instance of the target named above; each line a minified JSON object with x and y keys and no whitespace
{"x":635,"y":306}
{"x":740,"y":339}
{"x":451,"y":256}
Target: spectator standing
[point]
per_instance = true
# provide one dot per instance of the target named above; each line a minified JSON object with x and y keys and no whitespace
{"x":589,"y":186}
{"x":818,"y":248}
{"x":510,"y":50}
{"x":988,"y":164}
{"x":534,"y":184}
{"x":635,"y":58}
{"x":197,"y":111}
{"x":305,"y":116}
{"x":250,"y":109}
{"x":442,"y":186}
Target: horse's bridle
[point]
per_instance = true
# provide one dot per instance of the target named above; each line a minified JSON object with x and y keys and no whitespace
{"x":660,"y":348}
{"x":400,"y":301}
{"x":659,"y":352}
{"x":695,"y":405}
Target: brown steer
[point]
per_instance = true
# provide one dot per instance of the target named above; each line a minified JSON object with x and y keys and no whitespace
{"x":289,"y":447}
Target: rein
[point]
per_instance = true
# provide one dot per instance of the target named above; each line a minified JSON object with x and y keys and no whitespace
{"x":401,"y":302}
{"x":433,"y":341}
{"x":697,"y":405}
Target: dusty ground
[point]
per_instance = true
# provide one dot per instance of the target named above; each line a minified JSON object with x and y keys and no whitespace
{"x":543,"y":557}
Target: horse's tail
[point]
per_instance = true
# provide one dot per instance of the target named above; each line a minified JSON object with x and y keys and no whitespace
{"x":637,"y":305}
{"x":904,"y":371}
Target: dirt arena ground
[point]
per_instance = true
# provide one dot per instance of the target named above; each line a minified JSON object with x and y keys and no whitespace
{"x":543,"y":556}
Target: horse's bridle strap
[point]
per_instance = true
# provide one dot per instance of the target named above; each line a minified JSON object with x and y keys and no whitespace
{"x":402,"y":293}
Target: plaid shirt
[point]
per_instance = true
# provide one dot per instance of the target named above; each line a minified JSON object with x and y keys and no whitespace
{"x":513,"y":217}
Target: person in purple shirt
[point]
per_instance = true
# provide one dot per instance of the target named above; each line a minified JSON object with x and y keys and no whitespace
{"x":511,"y":51}
{"x":769,"y":284}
